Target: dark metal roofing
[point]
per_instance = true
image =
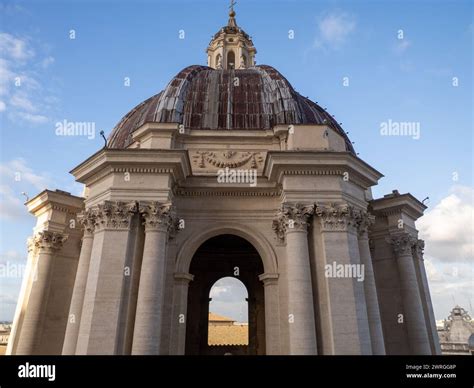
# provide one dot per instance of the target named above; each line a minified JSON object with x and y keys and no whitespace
{"x":200,"y":97}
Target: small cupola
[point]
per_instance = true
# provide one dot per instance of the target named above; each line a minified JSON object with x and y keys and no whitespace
{"x":231,"y":47}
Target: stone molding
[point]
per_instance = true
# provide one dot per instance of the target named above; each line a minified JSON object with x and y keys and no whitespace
{"x":183,"y":277}
{"x":227,"y":158}
{"x":269,"y":279}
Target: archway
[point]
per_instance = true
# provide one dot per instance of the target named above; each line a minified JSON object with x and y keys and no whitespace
{"x":223,"y":256}
{"x":231,"y":60}
{"x":228,"y":317}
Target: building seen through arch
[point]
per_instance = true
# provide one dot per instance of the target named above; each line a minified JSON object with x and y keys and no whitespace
{"x":228,"y":167}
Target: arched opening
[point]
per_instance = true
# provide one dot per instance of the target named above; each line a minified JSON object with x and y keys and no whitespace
{"x":218,"y":63}
{"x":230,"y":60}
{"x":243,"y":62}
{"x":221,"y":257}
{"x":228,"y":317}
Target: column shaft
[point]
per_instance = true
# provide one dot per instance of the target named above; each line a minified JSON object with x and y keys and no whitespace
{"x":147,"y":332}
{"x":180,"y":313}
{"x":150,"y":303}
{"x":77,"y":300}
{"x":302,"y":328}
{"x":30,"y":336}
{"x":272,"y":314}
{"x":371,"y":299}
{"x":410,"y":292}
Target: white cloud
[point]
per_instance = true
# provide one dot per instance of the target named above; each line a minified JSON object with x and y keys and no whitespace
{"x":28,"y":117}
{"x":15,"y":48}
{"x":450,"y":284}
{"x":229,"y":299}
{"x":17,"y":177}
{"x":402,"y":45}
{"x":448,"y":227}
{"x":45,"y":63}
{"x":17,"y":170}
{"x":2,"y":106}
{"x":334,"y":29}
{"x":20,"y":73}
{"x":449,"y":259}
{"x":11,"y":206}
{"x":21,"y":101}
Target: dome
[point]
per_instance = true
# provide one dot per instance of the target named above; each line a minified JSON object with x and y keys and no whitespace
{"x":200,"y":97}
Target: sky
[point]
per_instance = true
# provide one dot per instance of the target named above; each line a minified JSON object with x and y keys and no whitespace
{"x":372,"y":64}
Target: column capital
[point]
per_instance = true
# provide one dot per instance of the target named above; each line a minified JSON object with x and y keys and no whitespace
{"x":269,"y":279}
{"x":114,"y":214}
{"x":402,"y":244}
{"x":363,"y":220}
{"x":418,"y":248}
{"x":49,"y":240}
{"x":31,"y":246}
{"x":87,"y":218}
{"x":338,"y":217}
{"x":292,"y":217}
{"x":157,"y":216}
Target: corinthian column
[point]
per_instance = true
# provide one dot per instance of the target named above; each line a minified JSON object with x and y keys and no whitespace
{"x":402,"y":245}
{"x":87,"y":220}
{"x":47,"y":243}
{"x":292,"y":223}
{"x":148,"y":320}
{"x":364,"y":220}
{"x":100,"y":329}
{"x":340,"y":277}
{"x":426,"y":298}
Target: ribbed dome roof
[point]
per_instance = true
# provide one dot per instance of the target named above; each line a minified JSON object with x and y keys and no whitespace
{"x":200,"y":97}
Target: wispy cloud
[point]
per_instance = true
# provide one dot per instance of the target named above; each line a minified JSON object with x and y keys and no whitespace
{"x":15,"y":48}
{"x":16,"y":177}
{"x":401,"y":46}
{"x":22,"y":95}
{"x":334,"y":29}
{"x":448,"y":227}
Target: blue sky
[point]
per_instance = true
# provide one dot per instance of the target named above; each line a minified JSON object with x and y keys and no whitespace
{"x":404,"y":80}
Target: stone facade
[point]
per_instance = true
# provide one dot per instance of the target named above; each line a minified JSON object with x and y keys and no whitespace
{"x":329,"y":269}
{"x":456,"y":335}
